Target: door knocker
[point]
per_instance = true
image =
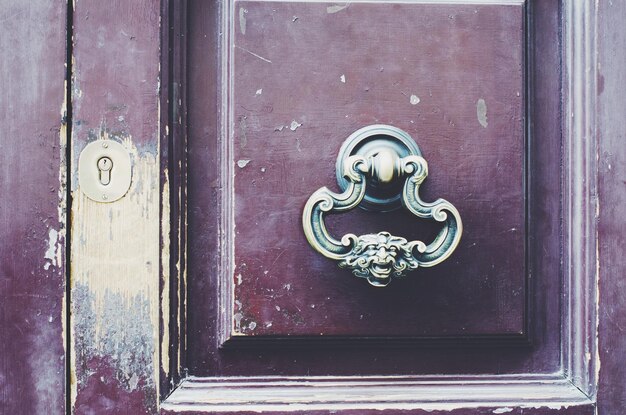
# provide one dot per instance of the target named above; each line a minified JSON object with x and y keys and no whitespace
{"x":370,"y":166}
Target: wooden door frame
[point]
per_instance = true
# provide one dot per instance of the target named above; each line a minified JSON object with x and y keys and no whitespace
{"x":591,"y":368}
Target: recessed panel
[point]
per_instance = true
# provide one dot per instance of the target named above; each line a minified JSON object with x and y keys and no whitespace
{"x":304,"y":76}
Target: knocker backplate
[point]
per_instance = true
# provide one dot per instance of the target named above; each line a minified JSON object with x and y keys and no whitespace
{"x":367,"y":142}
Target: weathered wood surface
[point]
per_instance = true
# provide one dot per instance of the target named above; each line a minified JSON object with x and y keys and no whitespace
{"x":115,"y":259}
{"x":32,"y":209}
{"x":611,"y":263}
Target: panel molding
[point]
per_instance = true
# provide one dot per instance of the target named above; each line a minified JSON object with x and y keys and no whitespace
{"x":580,"y":201}
{"x":227,"y":336}
{"x":336,"y":393}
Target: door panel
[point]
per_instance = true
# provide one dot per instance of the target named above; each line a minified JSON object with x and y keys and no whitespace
{"x":249,"y":180}
{"x":307,"y":75}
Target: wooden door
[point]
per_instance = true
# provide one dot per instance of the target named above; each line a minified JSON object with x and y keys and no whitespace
{"x":198,"y":291}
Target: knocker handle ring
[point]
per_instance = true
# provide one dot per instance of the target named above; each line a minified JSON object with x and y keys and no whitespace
{"x":370,"y":166}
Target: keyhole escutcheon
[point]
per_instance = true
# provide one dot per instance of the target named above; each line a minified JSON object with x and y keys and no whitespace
{"x":105,"y":165}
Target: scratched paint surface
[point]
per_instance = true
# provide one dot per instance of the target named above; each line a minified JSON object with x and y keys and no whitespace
{"x":115,"y":256}
{"x":305,"y":77}
{"x":32,"y":211}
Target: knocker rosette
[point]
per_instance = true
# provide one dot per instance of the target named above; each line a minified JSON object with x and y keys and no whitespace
{"x":380,"y":257}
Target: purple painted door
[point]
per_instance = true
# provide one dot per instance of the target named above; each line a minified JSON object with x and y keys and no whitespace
{"x":199,"y":291}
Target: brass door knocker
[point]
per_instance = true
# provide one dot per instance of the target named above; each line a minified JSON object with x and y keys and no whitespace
{"x":369,"y":167}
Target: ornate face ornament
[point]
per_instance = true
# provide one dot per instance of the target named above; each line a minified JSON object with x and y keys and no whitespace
{"x":378,"y":257}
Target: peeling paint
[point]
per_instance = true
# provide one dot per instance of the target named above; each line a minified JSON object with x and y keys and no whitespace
{"x":242,"y":20}
{"x":54,"y":254}
{"x":238,"y":317}
{"x":294,"y":125}
{"x":481,"y":112}
{"x":115,"y":279}
{"x":165,"y":276}
{"x":336,"y":8}
{"x":242,"y":163}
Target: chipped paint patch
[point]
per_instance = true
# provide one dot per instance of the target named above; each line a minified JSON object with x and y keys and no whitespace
{"x":115,"y":285}
{"x":259,"y":92}
{"x":165,"y":276}
{"x":502,"y":410}
{"x":242,"y":20}
{"x":116,"y":358}
{"x":414,"y":100}
{"x":242,"y":163}
{"x":54,"y":253}
{"x":336,"y":8}
{"x":342,"y":78}
{"x":294,"y":125}
{"x":481,"y":112}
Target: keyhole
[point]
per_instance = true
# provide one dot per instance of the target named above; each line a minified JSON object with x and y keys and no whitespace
{"x":104,"y":166}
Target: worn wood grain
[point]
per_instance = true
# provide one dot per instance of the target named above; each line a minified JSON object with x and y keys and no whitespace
{"x":32,"y":210}
{"x":115,"y":259}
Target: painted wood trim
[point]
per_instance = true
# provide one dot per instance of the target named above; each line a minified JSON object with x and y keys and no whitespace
{"x":220,"y":395}
{"x":33,"y":221}
{"x":609,"y":77}
{"x":115,"y":247}
{"x":173,"y":195}
{"x":580,"y":203}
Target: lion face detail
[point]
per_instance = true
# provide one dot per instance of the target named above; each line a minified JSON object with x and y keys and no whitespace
{"x":378,"y":257}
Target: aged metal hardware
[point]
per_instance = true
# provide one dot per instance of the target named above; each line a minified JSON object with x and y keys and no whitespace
{"x":104,"y":170}
{"x":369,"y":166}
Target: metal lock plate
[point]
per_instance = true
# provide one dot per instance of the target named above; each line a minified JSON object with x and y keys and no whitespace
{"x":104,"y":171}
